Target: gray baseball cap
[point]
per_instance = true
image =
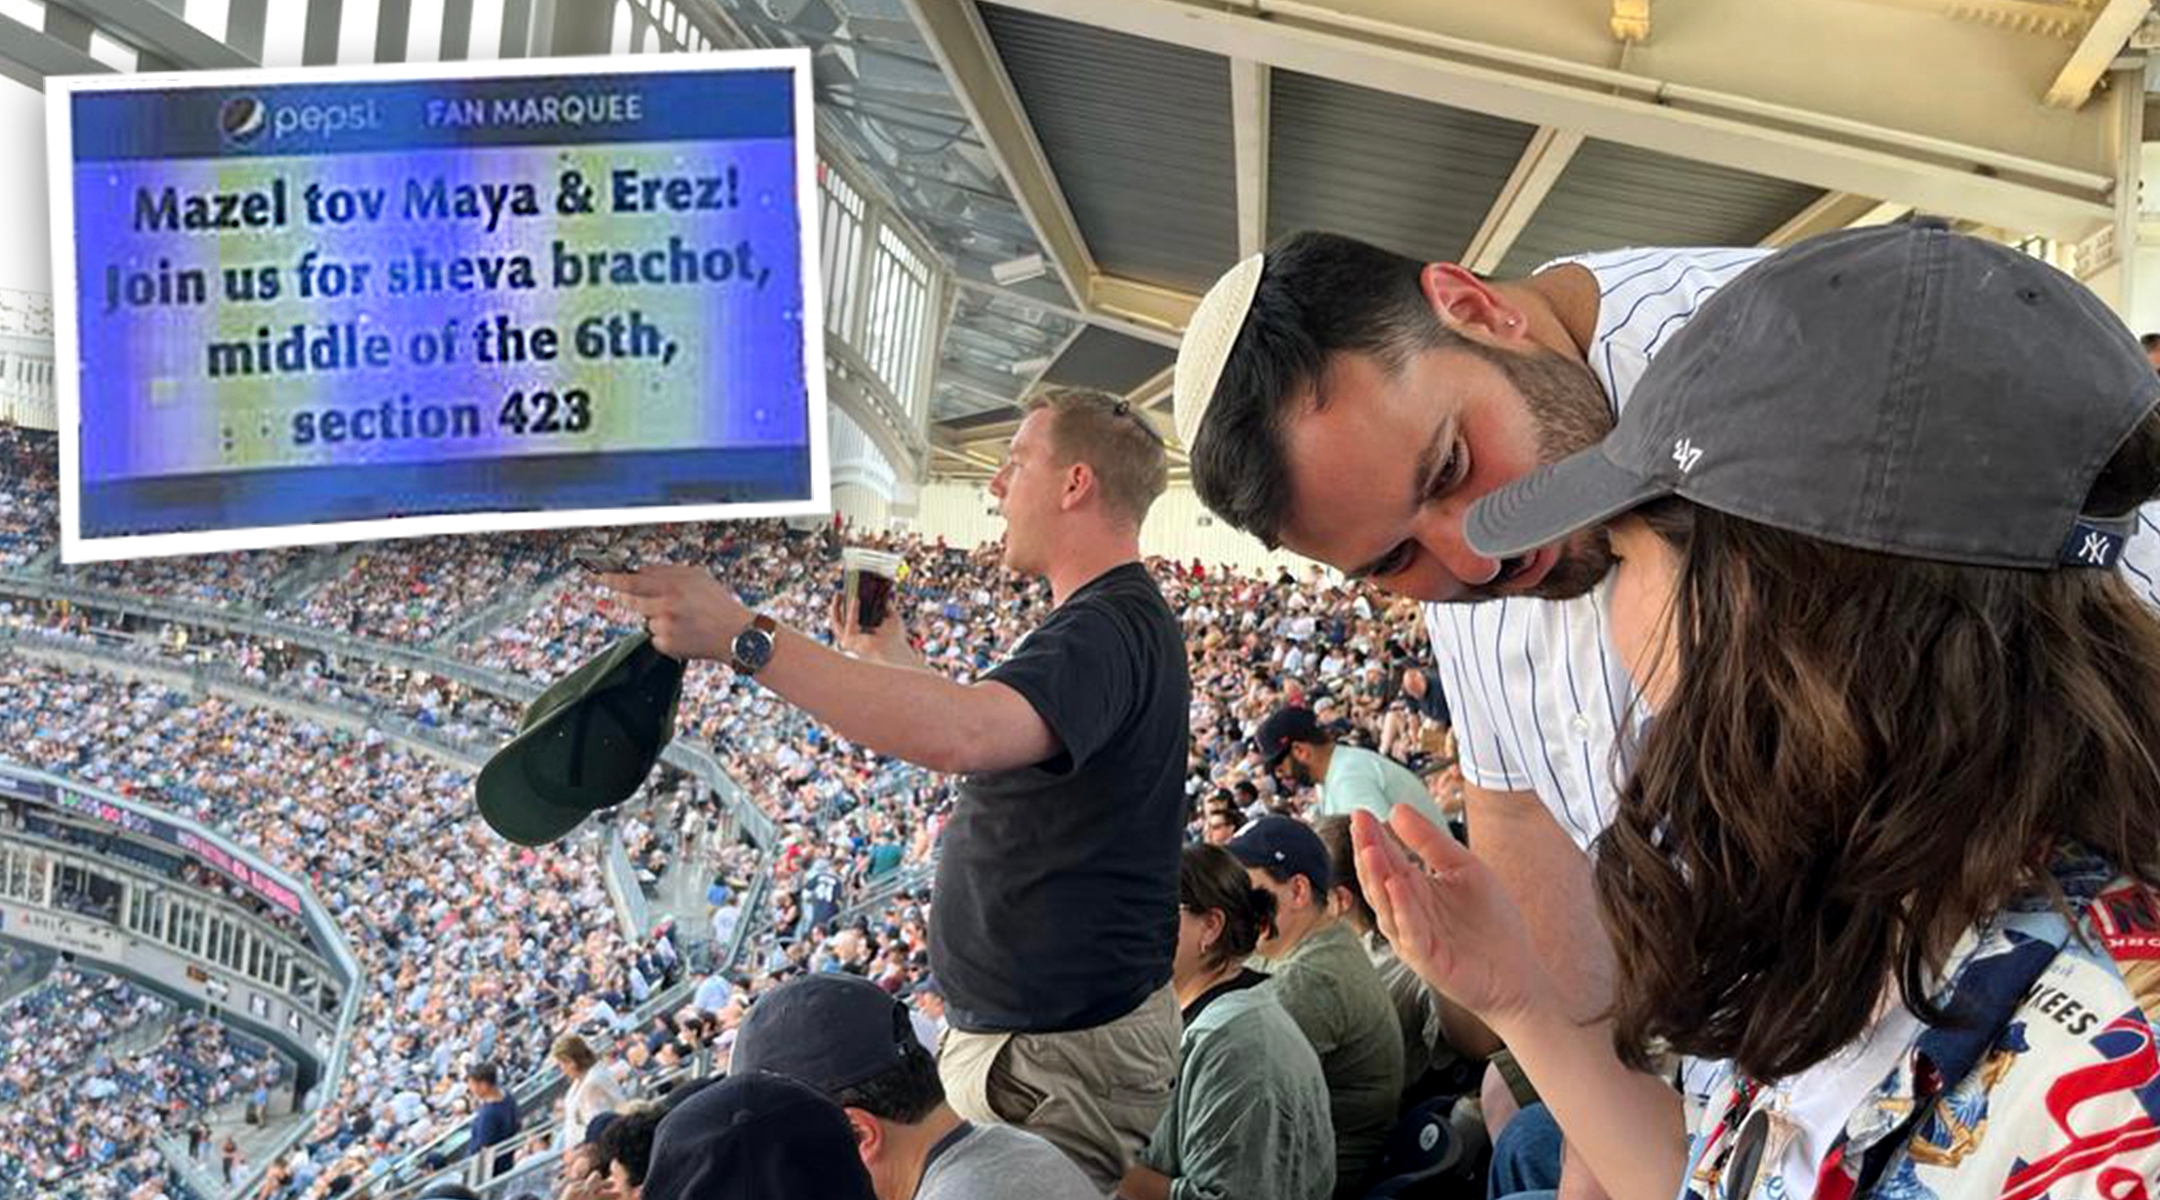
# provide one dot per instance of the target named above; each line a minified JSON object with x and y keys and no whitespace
{"x":1902,"y":389}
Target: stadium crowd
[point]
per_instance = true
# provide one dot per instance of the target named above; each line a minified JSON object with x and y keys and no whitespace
{"x":30,"y":503}
{"x":87,"y":1090}
{"x":323,"y":803}
{"x":465,"y":956}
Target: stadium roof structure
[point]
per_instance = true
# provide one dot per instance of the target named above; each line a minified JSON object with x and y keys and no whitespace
{"x":1115,"y":157}
{"x":1082,"y":169}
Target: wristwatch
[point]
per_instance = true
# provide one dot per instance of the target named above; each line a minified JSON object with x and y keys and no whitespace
{"x":754,"y":646}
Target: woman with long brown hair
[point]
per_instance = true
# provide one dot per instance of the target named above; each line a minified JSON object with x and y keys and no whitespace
{"x":1888,"y":849}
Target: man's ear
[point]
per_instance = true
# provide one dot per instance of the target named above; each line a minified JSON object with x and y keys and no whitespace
{"x":1080,"y":483}
{"x":869,"y":1135}
{"x":1468,"y":305}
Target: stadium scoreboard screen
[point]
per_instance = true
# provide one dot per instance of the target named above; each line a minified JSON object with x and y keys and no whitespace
{"x":310,"y":306}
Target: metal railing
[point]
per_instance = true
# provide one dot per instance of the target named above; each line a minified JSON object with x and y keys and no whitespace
{"x":453,"y":1150}
{"x":209,"y":676}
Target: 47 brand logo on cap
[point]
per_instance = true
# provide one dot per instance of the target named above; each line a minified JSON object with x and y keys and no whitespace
{"x":1686,"y":453}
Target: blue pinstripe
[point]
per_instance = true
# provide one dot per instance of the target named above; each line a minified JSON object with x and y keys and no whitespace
{"x":1507,"y":707}
{"x":1544,"y":746}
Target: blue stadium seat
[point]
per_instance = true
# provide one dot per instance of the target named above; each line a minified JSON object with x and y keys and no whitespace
{"x":1420,"y":1148}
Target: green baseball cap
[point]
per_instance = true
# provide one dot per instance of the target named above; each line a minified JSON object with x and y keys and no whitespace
{"x":585,"y":744}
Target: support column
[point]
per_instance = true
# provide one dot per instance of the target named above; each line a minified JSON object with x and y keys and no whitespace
{"x":2134,"y":284}
{"x":575,"y":27}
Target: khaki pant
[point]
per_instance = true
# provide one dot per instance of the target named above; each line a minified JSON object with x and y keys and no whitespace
{"x":1094,"y":1093}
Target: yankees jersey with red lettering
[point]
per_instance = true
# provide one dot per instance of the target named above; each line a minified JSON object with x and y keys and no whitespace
{"x":2048,"y":1084}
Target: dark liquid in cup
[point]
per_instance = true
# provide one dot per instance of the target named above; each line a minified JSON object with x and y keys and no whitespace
{"x":873,"y":595}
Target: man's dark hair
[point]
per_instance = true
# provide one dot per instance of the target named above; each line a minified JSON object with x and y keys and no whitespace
{"x":906,"y":1094}
{"x":2150,"y":342}
{"x":483,"y":1072}
{"x":629,"y":1141}
{"x":1320,"y":294}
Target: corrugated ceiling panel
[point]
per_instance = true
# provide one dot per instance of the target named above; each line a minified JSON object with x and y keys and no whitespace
{"x":1108,"y":360}
{"x":1414,"y":177}
{"x":1138,"y":134}
{"x":1613,"y":196}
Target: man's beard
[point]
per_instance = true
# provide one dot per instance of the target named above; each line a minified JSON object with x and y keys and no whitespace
{"x":1568,"y":413}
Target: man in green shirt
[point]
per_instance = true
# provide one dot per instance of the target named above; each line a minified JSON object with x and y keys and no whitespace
{"x":1350,"y":777}
{"x":1330,"y":988}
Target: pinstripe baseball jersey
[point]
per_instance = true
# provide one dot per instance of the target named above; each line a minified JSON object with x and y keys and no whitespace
{"x":1539,"y":698}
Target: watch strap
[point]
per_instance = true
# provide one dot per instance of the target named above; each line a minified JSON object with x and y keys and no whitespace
{"x":763,"y":624}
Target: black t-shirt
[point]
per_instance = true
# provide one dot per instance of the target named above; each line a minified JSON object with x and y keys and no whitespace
{"x":1057,"y":883}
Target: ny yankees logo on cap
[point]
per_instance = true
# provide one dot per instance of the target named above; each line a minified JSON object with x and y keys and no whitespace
{"x":2096,"y":543}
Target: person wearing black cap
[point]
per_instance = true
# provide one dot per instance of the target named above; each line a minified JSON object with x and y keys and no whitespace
{"x":929,"y":1001}
{"x":1330,"y":988}
{"x":1349,"y":777}
{"x":1056,"y":917}
{"x":1891,"y":848}
{"x":755,"y":1137}
{"x":850,"y":1040}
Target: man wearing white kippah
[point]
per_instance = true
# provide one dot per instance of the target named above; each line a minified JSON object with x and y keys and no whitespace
{"x":1348,"y":403}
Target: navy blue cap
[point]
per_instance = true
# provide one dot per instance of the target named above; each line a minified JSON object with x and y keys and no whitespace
{"x":756,"y":1137}
{"x":1284,"y":844}
{"x":831,"y":1031}
{"x":1284,"y":727}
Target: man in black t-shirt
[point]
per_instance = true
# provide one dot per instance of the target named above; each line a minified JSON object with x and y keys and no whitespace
{"x":1056,"y":917}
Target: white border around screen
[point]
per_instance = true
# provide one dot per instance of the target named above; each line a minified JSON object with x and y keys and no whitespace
{"x":60,"y":162}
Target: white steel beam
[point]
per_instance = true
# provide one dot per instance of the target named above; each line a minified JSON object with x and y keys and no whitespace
{"x":1142,"y":305}
{"x":29,"y":55}
{"x":1690,"y":122}
{"x":1535,"y":173}
{"x":962,"y":46}
{"x":1249,"y":88}
{"x":2104,"y":39}
{"x":1836,"y":210}
{"x":163,"y":32}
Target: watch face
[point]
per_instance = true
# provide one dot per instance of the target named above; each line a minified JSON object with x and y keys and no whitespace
{"x":753,"y":649}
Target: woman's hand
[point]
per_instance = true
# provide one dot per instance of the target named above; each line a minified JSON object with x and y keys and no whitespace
{"x":1447,"y":916}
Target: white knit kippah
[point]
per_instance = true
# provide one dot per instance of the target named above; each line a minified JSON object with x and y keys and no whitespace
{"x":1205,"y":349}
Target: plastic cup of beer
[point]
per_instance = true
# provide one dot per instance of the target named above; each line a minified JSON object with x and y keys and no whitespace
{"x":868,"y":578}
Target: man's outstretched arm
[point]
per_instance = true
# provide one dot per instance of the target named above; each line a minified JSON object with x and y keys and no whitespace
{"x":905,"y":712}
